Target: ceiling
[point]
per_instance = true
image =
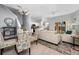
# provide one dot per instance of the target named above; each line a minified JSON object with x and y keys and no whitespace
{"x":47,"y":9}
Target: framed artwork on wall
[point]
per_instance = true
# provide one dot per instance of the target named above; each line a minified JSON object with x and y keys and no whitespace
{"x":9,"y":21}
{"x":9,"y":32}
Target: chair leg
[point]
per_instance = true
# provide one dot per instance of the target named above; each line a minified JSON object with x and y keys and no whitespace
{"x":36,"y":42}
{"x":29,"y":51}
{"x":16,"y":49}
{"x":2,"y":51}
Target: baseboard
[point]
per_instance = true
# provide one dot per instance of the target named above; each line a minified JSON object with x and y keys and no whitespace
{"x":48,"y":42}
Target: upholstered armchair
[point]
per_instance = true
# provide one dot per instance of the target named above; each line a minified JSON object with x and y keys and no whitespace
{"x":8,"y":43}
{"x":23,"y":41}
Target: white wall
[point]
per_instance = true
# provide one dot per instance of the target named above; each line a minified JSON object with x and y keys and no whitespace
{"x":62,"y":11}
{"x":69,"y":18}
{"x":5,"y":12}
{"x":19,"y":16}
{"x":47,"y":9}
{"x":75,"y":15}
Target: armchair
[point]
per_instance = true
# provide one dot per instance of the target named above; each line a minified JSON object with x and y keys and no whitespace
{"x":23,"y":41}
{"x":8,"y":43}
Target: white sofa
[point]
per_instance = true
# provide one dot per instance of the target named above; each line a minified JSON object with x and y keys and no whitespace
{"x":49,"y":36}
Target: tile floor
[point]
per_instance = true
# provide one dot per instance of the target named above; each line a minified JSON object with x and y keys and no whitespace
{"x":38,"y":49}
{"x":63,"y":48}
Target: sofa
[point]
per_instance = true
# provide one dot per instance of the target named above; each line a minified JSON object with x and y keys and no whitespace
{"x":49,"y":36}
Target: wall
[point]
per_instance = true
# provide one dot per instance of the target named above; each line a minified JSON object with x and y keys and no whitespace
{"x":66,"y":18}
{"x":27,"y":18}
{"x":69,"y":18}
{"x":75,"y":15}
{"x":5,"y":12}
{"x":19,"y":16}
{"x":47,"y":9}
{"x":66,"y":11}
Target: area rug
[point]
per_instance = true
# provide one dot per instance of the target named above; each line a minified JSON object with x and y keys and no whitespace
{"x":61,"y":47}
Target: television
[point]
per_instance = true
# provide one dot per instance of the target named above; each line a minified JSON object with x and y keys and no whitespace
{"x":9,"y":33}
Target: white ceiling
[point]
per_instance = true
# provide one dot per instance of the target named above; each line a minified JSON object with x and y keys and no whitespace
{"x":47,"y":9}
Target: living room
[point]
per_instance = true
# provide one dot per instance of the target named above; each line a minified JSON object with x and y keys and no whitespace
{"x":50,"y":28}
